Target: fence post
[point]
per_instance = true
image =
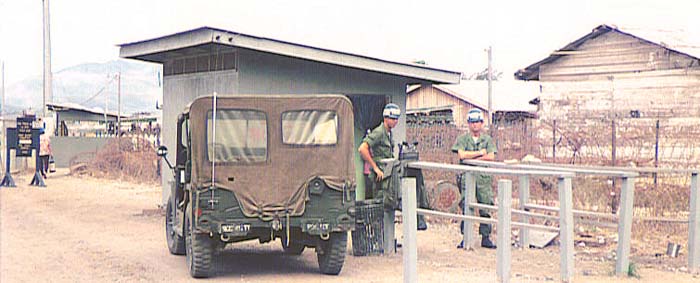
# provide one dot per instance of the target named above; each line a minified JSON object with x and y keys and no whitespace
{"x":410,"y":252}
{"x":469,"y":192}
{"x":524,"y":193}
{"x":554,"y":141}
{"x":505,"y":198}
{"x":624,"y":227}
{"x":566,"y":229}
{"x":694,"y":226}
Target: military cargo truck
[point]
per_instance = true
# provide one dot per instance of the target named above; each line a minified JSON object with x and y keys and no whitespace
{"x":262,"y":167}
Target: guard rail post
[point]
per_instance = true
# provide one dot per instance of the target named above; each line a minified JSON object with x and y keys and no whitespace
{"x":694,"y":226}
{"x":624,"y":227}
{"x":566,"y":229}
{"x":469,"y":194}
{"x":524,"y":194}
{"x":410,"y":249}
{"x":503,"y":260}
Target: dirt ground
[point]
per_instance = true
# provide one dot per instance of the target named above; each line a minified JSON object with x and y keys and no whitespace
{"x":97,"y":230}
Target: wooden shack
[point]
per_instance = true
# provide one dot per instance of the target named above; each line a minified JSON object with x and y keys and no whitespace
{"x":618,"y":96}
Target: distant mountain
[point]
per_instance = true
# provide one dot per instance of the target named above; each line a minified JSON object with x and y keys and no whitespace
{"x":93,"y":84}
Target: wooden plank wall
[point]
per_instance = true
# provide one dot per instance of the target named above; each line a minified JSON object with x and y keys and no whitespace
{"x":610,"y":54}
{"x":428,"y":96}
{"x":615,"y":75}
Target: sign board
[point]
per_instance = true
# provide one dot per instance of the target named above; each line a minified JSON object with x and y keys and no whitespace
{"x":24,"y":136}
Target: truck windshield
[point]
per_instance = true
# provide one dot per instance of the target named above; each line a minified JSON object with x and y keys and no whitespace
{"x":241,"y":136}
{"x":310,"y":127}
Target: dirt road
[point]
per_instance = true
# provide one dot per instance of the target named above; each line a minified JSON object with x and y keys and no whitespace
{"x":95,"y":230}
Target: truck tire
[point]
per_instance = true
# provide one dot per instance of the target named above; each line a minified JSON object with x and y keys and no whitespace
{"x":333,"y":256}
{"x":199,"y":251}
{"x":293,"y":248}
{"x":176,"y":243}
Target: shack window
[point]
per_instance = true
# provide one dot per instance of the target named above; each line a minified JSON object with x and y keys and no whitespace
{"x":310,"y":127}
{"x":241,"y":136}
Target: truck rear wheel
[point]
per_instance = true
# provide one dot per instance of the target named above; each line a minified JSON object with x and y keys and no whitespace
{"x":176,"y":243}
{"x":199,"y":251}
{"x":331,"y":260}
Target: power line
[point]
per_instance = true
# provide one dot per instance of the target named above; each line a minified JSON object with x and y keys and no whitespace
{"x":98,"y":92}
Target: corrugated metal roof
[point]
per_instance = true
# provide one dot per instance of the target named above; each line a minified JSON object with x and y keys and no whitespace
{"x":152,"y":50}
{"x":67,"y":106}
{"x":675,"y":40}
{"x":508,"y":95}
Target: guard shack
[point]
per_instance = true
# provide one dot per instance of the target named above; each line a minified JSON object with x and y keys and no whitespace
{"x":206,"y":60}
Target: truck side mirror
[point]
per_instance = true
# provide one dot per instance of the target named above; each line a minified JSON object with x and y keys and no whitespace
{"x":162,"y":152}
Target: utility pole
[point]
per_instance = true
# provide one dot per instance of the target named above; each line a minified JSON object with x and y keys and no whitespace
{"x":490,"y":75}
{"x":2,"y":120}
{"x":47,"y":58}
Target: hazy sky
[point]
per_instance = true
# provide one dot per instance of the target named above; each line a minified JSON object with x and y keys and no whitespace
{"x":446,"y":34}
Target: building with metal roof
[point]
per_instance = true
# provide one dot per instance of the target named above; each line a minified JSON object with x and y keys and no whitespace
{"x":615,"y":86}
{"x":510,"y":97}
{"x":207,"y":60}
{"x":679,"y":52}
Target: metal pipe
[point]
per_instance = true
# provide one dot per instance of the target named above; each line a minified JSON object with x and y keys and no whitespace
{"x":490,"y":171}
{"x":456,"y":216}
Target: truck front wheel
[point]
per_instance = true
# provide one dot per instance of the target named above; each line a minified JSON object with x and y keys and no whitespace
{"x":199,"y":251}
{"x":176,"y":243}
{"x":331,"y":256}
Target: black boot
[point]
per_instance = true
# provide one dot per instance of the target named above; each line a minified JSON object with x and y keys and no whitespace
{"x":486,"y":243}
{"x":422,"y":226}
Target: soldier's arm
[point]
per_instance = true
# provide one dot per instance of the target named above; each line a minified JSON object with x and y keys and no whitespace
{"x":462,"y":154}
{"x":491,"y":156}
{"x":468,"y":154}
{"x":365,"y":154}
{"x":490,"y":151}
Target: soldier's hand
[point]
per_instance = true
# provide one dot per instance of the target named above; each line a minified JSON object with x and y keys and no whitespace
{"x":380,"y":174}
{"x":483,"y":152}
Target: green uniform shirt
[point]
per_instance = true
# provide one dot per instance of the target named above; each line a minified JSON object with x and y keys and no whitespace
{"x":466,"y":142}
{"x":380,"y":143}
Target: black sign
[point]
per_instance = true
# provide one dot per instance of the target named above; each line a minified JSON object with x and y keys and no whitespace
{"x":24,"y":136}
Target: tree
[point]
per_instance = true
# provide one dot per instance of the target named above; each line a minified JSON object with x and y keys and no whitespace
{"x":483,"y":75}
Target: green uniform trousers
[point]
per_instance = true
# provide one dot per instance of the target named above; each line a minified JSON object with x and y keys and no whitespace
{"x":484,"y":195}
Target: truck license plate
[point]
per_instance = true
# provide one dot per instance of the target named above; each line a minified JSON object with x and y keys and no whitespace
{"x":317,"y":226}
{"x":235,"y":228}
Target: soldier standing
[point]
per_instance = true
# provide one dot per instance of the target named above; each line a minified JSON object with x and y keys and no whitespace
{"x":378,"y":145}
{"x":477,"y":145}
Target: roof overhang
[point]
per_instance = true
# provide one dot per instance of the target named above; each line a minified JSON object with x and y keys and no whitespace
{"x":153,"y":50}
{"x":532,"y":72}
{"x":73,"y":107}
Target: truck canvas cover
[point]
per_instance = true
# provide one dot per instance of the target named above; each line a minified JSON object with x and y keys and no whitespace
{"x":268,"y":147}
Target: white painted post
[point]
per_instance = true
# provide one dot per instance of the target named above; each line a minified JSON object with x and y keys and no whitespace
{"x":624,"y":227}
{"x":566,"y":230}
{"x":410,"y":250}
{"x":469,"y":197}
{"x":389,"y":235}
{"x":524,"y":193}
{"x":694,"y":226}
{"x":503,"y":236}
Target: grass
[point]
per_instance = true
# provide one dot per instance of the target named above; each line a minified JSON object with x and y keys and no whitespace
{"x":633,"y":270}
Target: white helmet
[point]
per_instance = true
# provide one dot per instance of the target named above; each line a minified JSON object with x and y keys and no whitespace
{"x":475,"y":115}
{"x":392,"y":111}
